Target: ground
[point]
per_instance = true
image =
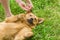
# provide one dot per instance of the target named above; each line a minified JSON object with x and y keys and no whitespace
{"x":47,"y":9}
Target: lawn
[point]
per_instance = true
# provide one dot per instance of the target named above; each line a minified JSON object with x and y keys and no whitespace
{"x":47,"y":9}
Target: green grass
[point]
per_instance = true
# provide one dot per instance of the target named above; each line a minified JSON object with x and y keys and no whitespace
{"x":47,"y":9}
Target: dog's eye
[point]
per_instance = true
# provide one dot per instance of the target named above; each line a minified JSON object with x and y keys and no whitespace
{"x":35,"y":18}
{"x":30,"y":15}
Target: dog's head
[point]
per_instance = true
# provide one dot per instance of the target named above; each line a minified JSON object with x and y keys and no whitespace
{"x":31,"y":19}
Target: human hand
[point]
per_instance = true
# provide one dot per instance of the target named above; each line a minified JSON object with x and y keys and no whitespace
{"x":27,"y":7}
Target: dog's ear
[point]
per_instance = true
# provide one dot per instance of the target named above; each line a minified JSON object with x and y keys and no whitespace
{"x":40,"y":20}
{"x":21,"y":16}
{"x":14,"y":18}
{"x":11,"y":19}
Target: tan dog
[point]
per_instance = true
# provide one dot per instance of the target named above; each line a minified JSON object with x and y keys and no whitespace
{"x":19,"y":27}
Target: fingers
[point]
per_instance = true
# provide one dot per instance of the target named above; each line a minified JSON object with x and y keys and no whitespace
{"x":27,"y":7}
{"x":29,"y":3}
{"x":22,"y":4}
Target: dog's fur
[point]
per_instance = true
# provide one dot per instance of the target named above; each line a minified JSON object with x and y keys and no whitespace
{"x":19,"y":27}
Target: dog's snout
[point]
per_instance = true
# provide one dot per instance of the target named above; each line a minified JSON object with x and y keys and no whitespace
{"x":30,"y":20}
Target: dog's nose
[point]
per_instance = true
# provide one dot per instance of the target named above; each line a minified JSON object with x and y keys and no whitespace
{"x":31,"y":19}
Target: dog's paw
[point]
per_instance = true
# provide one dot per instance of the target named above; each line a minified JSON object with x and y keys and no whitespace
{"x":29,"y":34}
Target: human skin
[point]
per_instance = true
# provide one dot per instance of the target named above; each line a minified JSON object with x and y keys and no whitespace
{"x":7,"y":10}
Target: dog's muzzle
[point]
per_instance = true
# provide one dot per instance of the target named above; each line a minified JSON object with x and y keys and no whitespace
{"x":30,"y":21}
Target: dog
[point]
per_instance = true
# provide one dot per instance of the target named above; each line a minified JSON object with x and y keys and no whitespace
{"x":19,"y":27}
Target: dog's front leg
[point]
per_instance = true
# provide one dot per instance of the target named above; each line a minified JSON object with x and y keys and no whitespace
{"x":23,"y":34}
